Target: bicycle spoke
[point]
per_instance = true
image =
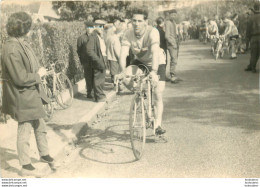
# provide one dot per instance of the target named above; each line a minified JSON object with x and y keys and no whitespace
{"x":64,"y":96}
{"x":137,"y":126}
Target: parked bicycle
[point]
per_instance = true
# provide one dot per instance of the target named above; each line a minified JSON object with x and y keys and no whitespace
{"x":58,"y":88}
{"x":142,"y":110}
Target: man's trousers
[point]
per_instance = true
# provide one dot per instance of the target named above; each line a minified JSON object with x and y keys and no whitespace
{"x":23,"y":139}
{"x":255,"y":52}
{"x":88,"y":74}
{"x":174,"y":58}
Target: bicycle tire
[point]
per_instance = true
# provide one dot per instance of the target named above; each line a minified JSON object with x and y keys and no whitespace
{"x":216,"y":56}
{"x":137,"y":126}
{"x":222,"y":53}
{"x":48,"y":108}
{"x":64,"y":95}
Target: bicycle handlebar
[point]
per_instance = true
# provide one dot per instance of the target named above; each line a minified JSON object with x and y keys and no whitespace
{"x":135,"y":77}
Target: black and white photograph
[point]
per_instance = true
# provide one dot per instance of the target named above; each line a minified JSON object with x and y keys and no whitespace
{"x":130,"y":89}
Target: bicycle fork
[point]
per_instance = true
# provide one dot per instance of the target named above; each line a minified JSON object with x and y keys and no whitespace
{"x":151,"y":118}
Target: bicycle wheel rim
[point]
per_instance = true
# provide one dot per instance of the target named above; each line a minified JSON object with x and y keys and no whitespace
{"x":137,"y":127}
{"x":48,"y":108}
{"x":64,"y":96}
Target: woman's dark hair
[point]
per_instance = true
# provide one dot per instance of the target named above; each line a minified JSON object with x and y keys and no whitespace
{"x":18,"y":24}
{"x":141,"y":11}
{"x":159,"y":20}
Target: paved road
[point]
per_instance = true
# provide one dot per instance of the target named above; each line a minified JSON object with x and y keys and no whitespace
{"x":212,"y":121}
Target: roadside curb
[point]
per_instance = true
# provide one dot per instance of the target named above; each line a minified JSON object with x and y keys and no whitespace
{"x":84,"y":121}
{"x":80,"y":128}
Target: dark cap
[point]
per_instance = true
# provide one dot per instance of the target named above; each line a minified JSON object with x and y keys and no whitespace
{"x":89,"y":24}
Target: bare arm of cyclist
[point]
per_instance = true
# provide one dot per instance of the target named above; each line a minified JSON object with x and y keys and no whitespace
{"x":228,"y":28}
{"x":123,"y":54}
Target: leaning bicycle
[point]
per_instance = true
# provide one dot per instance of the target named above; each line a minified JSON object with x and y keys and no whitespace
{"x":58,"y":88}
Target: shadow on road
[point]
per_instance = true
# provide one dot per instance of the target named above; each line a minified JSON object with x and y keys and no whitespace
{"x":217,"y":93}
{"x":8,"y":155}
{"x":106,"y":146}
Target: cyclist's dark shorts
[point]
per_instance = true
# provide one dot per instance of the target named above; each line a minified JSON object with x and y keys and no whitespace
{"x":161,"y":69}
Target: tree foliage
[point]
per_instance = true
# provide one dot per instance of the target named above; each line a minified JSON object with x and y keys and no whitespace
{"x":80,"y":10}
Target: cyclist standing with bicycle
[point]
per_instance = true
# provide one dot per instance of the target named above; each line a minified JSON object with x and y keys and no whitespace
{"x":144,"y":42}
{"x":232,"y":33}
{"x":212,"y":33}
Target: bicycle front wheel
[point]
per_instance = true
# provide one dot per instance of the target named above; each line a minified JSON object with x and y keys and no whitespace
{"x":64,"y":95}
{"x":137,"y":126}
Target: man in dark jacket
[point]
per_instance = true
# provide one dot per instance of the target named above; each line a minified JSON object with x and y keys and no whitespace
{"x":253,"y":34}
{"x":84,"y":58}
{"x":96,"y":49}
{"x":160,"y":27}
{"x":172,"y":44}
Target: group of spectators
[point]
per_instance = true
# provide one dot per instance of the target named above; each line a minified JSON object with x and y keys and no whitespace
{"x":99,"y":49}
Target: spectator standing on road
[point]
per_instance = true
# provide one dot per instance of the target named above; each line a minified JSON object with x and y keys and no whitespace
{"x":253,"y":34}
{"x":160,"y":27}
{"x":22,"y":94}
{"x":113,"y":47}
{"x":84,"y":58}
{"x":203,"y":29}
{"x":172,"y":44}
{"x":185,"y":31}
{"x":180,"y":31}
{"x":96,"y":49}
{"x":247,"y":41}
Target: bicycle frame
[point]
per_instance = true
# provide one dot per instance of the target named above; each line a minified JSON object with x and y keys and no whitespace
{"x":52,"y":73}
{"x":148,"y":92}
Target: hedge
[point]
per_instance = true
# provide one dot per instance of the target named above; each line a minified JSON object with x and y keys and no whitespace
{"x":56,"y":42}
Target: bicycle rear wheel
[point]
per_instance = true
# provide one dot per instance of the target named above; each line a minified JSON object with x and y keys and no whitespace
{"x":48,"y":107}
{"x":137,"y":126}
{"x":64,"y":96}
